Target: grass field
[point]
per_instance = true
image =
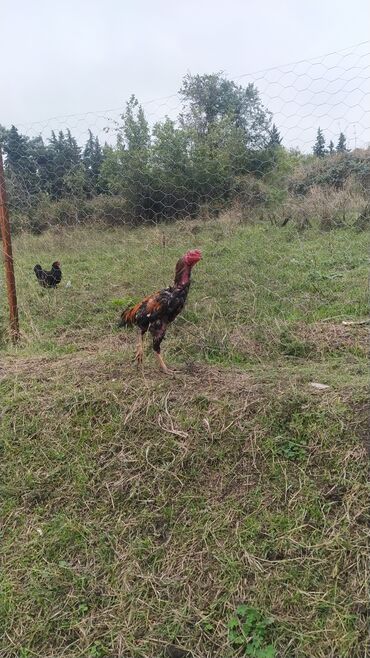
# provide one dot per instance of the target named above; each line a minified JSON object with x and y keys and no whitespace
{"x":221,"y":510}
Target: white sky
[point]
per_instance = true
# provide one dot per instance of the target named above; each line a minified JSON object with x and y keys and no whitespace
{"x":74,"y":57}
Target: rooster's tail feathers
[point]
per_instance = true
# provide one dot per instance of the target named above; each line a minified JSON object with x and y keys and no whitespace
{"x":127,"y":318}
{"x":38,"y":271}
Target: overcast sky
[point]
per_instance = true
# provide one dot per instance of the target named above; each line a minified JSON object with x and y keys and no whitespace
{"x":72,"y":57}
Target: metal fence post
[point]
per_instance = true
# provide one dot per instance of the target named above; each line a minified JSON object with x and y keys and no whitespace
{"x":8,"y":256}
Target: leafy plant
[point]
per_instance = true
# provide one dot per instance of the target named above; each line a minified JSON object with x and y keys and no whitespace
{"x":290,"y":449}
{"x":249,"y":630}
{"x":97,"y":650}
{"x":24,"y":652}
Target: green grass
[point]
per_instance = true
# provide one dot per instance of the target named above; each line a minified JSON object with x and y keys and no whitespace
{"x":140,"y":511}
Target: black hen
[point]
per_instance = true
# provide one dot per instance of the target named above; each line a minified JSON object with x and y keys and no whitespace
{"x":49,"y":279}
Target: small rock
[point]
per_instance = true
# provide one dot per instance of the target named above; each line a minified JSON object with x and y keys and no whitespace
{"x":319,"y":387}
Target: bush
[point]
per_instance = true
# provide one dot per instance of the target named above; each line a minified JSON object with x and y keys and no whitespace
{"x":331,"y":171}
{"x":362,"y":223}
{"x":110,"y":210}
{"x":325,"y":206}
{"x":250,"y":192}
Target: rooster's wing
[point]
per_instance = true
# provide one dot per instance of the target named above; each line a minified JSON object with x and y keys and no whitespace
{"x":163,"y":306}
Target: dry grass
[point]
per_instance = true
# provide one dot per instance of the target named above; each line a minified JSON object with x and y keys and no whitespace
{"x":329,"y":337}
{"x":138,"y":520}
{"x":328,"y":207}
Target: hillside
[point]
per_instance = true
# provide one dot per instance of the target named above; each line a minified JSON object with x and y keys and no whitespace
{"x":141,"y":511}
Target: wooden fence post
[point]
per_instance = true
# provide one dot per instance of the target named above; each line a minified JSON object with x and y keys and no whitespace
{"x":8,"y":256}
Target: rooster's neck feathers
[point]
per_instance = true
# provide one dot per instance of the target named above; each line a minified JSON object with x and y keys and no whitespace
{"x":182,"y":274}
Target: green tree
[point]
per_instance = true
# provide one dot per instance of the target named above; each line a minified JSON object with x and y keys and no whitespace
{"x":72,"y":150}
{"x":172,"y":191}
{"x":63,"y":157}
{"x":3,"y":134}
{"x":74,"y":182}
{"x":135,"y":129}
{"x":228,"y":129}
{"x":214,"y":163}
{"x":20,"y":167}
{"x":342,"y":144}
{"x":319,"y":148}
{"x":169,"y":152}
{"x":112,"y":173}
{"x":331,"y":148}
{"x":275,"y":139}
{"x":209,"y":99}
{"x":126,"y":168}
{"x":92,"y":161}
{"x":15,"y":147}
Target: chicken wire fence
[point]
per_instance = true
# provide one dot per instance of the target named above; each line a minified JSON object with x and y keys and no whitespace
{"x":117,"y":195}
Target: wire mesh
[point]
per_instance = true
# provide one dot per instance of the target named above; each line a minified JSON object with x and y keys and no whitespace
{"x":287,"y":145}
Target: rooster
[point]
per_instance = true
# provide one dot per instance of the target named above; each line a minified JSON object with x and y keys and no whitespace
{"x":155,"y":312}
{"x":49,"y":279}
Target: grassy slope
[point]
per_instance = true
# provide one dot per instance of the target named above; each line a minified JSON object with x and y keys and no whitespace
{"x":140,"y":510}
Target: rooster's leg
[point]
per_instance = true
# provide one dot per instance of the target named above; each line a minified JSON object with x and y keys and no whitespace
{"x":140,"y":349}
{"x":162,"y":364}
{"x":158,"y":335}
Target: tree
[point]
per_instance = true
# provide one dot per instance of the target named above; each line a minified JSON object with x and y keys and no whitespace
{"x":169,"y":153}
{"x":171,"y":171}
{"x":228,"y":128}
{"x":275,"y":139}
{"x":74,"y":182}
{"x":72,"y":151}
{"x":331,"y":147}
{"x":92,"y":160}
{"x":15,"y":147}
{"x":63,"y":158}
{"x":20,"y":166}
{"x":342,"y":144}
{"x":319,"y":148}
{"x":126,"y":168}
{"x":135,"y":158}
{"x":210,"y":99}
{"x":135,"y":129}
{"x":3,"y":134}
{"x":112,"y":172}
